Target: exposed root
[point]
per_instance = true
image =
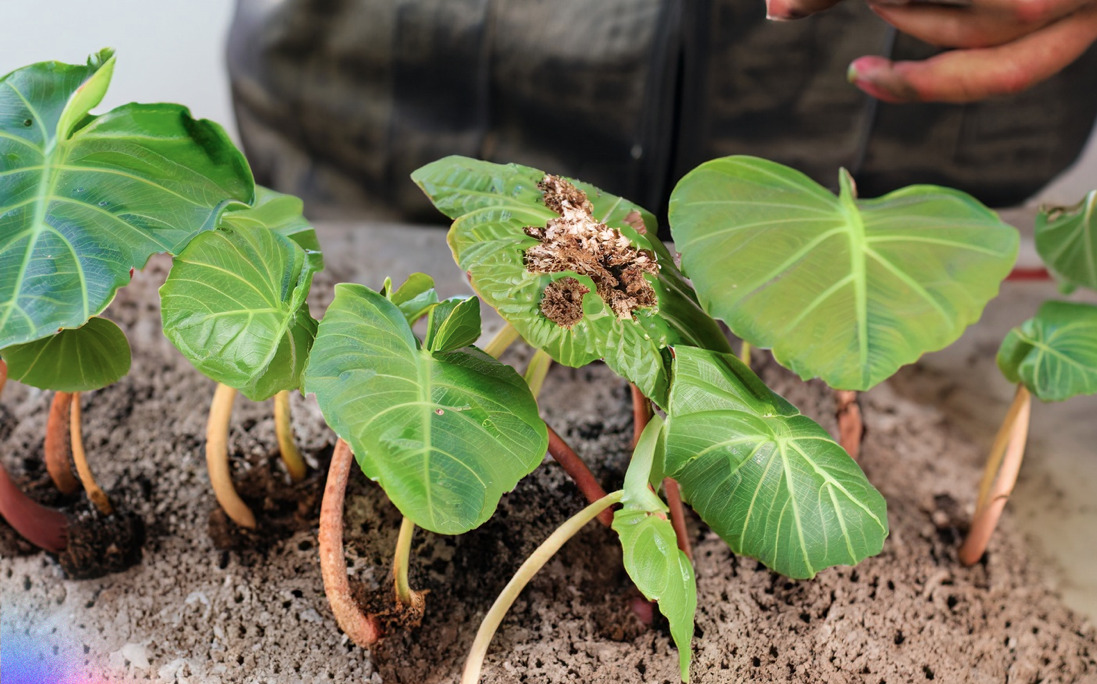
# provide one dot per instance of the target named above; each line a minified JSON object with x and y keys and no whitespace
{"x":217,"y":458}
{"x":283,"y":430}
{"x":992,"y":500}
{"x":57,"y":445}
{"x":364,"y":630}
{"x":578,"y":242}
{"x":91,"y":487}
{"x":44,"y":527}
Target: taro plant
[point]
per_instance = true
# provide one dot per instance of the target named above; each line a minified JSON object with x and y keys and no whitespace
{"x":84,"y":200}
{"x":1051,"y":356}
{"x":443,"y":427}
{"x":446,"y":430}
{"x":844,"y":289}
{"x":234,"y":306}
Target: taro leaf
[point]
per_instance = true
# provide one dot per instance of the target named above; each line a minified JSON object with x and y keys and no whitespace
{"x":1055,"y":353}
{"x":492,"y":203}
{"x":1066,"y":240}
{"x":453,"y":323}
{"x":74,"y":360}
{"x":84,"y":199}
{"x":770,"y":482}
{"x":415,"y":298}
{"x":234,"y":305}
{"x":660,"y":570}
{"x":842,"y":289}
{"x":444,"y":433}
{"x":284,"y":214}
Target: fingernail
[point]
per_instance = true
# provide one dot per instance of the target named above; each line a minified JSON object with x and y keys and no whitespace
{"x":779,"y":10}
{"x":874,"y":76}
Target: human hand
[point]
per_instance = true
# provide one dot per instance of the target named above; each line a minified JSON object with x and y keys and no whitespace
{"x":1004,"y":46}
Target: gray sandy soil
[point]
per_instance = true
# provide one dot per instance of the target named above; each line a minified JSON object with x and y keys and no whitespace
{"x":192,"y":613}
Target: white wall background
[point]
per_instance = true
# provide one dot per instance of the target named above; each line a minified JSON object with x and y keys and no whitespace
{"x":173,"y":51}
{"x":168,"y":50}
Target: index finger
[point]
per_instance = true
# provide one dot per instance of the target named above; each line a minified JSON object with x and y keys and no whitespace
{"x":784,"y":10}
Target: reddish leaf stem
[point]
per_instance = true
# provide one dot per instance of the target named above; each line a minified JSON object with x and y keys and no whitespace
{"x":574,"y":467}
{"x":57,"y":458}
{"x":44,"y":527}
{"x":677,"y":515}
{"x":641,"y":413}
{"x":362,"y":629}
{"x":851,"y":425}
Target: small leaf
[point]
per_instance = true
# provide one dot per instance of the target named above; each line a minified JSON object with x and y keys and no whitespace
{"x":769,"y":481}
{"x":234,"y":305}
{"x":453,"y":323}
{"x":492,"y":204}
{"x":1066,"y":240}
{"x":1055,"y":353}
{"x":841,"y":289}
{"x":660,"y":570}
{"x":446,"y":434}
{"x":415,"y":297}
{"x":73,"y":360}
{"x":284,"y":214}
{"x":84,"y":199}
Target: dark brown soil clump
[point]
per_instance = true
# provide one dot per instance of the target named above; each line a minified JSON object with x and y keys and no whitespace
{"x":578,"y":242}
{"x":562,"y":302}
{"x":281,"y":508}
{"x":101,"y":544}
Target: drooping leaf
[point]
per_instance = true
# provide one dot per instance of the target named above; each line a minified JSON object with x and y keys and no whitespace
{"x":1054,"y":353}
{"x":84,"y":199}
{"x":234,"y":305}
{"x":660,"y":570}
{"x":74,"y":360}
{"x":1066,"y":240}
{"x":842,"y":289}
{"x":453,"y":323}
{"x":769,"y":481}
{"x":415,"y":297}
{"x":493,"y":203}
{"x":284,"y":214}
{"x":446,"y":434}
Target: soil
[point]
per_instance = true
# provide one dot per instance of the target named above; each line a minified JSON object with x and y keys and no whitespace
{"x":189,"y":612}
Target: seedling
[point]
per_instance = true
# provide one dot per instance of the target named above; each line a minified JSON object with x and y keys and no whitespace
{"x":86,"y":199}
{"x":234,"y":305}
{"x":1052,"y":356}
{"x":843,"y":289}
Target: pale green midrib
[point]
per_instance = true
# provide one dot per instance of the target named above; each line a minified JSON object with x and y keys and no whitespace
{"x":855,"y":229}
{"x":47,"y":186}
{"x":1087,"y":233}
{"x":425,"y":387}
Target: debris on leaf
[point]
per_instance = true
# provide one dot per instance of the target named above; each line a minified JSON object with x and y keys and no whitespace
{"x":563,"y":301}
{"x":579,"y":242}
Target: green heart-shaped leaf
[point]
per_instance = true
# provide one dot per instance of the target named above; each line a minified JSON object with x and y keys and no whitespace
{"x":1066,"y":240}
{"x":769,"y":481}
{"x":1054,"y":353}
{"x":842,"y":289}
{"x":493,"y":204}
{"x":660,"y":570}
{"x":74,"y":360}
{"x":284,"y":214}
{"x":234,"y":305}
{"x":453,"y":323}
{"x":84,"y":199}
{"x":415,"y":298}
{"x":446,"y":434}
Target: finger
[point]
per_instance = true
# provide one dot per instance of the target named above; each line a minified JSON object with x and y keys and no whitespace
{"x":784,"y":10}
{"x":976,"y":74}
{"x":974,"y":27}
{"x":1021,"y":11}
